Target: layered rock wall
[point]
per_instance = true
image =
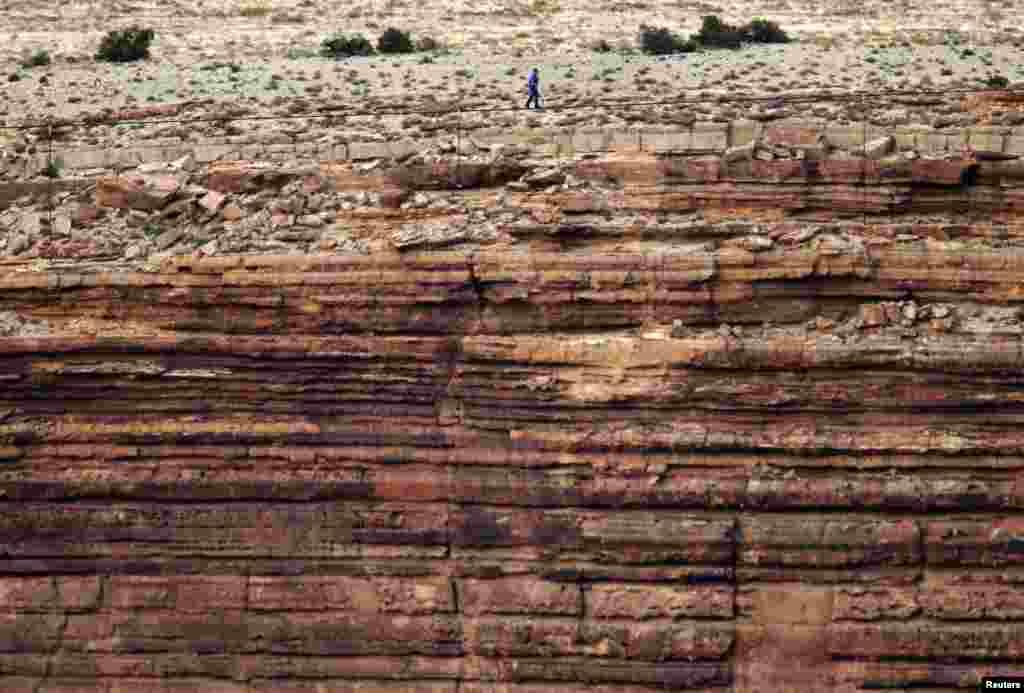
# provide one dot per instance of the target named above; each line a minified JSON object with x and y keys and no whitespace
{"x":718,"y":456}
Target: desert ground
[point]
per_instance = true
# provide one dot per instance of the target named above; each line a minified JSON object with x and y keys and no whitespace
{"x":212,"y":53}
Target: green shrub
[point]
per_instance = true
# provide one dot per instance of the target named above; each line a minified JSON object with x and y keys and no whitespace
{"x":38,"y":59}
{"x":714,"y":33}
{"x":126,"y":45}
{"x":342,"y":46}
{"x":661,"y":41}
{"x":997,"y":82}
{"x":761,"y":30}
{"x":53,"y":168}
{"x":395,"y":41}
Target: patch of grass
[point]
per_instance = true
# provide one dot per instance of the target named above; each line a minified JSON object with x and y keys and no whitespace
{"x":997,"y":82}
{"x":255,"y":8}
{"x":38,"y":58}
{"x":151,"y":230}
{"x":296,"y":53}
{"x":542,"y":8}
{"x":53,"y":168}
{"x":125,"y":45}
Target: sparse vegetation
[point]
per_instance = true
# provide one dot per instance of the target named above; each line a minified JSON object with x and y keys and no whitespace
{"x":395,"y":41}
{"x":53,"y":168}
{"x":601,"y":46}
{"x":542,"y":8}
{"x":343,"y":46}
{"x":255,"y":8}
{"x":295,"y":53}
{"x":997,"y":82}
{"x":661,"y":41}
{"x":714,"y":33}
{"x":761,"y":30}
{"x":38,"y":58}
{"x":125,"y":45}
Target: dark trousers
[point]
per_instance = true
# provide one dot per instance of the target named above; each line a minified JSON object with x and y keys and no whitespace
{"x":534,"y":98}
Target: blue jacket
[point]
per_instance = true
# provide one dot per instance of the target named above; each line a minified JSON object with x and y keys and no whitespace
{"x":531,"y":84}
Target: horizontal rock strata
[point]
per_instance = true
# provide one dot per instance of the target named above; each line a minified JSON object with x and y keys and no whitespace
{"x":706,"y":455}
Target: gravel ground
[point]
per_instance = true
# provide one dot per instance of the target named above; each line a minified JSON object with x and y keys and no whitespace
{"x":211,"y":51}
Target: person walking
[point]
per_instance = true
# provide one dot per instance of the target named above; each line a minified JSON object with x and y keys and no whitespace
{"x":533,"y":89}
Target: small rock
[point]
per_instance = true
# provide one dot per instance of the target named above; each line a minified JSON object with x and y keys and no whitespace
{"x":136,"y":192}
{"x":542,"y":179}
{"x":136,"y":251}
{"x":30,"y":224}
{"x":184,"y":163}
{"x":84,"y":215}
{"x":62,"y":225}
{"x":801,"y":235}
{"x":744,"y":152}
{"x":168,"y":238}
{"x":232,"y":213}
{"x":753,"y":244}
{"x":872,"y":315}
{"x":17,"y":243}
{"x":212,"y":201}
{"x":517,"y":186}
{"x":392,"y":198}
{"x":879,"y":148}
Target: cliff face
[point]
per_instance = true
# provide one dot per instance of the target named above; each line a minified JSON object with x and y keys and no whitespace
{"x":751,"y":451}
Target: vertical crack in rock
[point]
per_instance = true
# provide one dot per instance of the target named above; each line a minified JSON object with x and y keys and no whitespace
{"x":51,"y":661}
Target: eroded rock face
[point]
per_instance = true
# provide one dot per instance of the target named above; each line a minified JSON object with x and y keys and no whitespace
{"x":597,"y":449}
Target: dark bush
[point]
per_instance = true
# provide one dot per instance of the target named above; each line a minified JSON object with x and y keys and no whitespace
{"x":763,"y":31}
{"x":997,"y":82}
{"x":661,"y":41}
{"x":603,"y":46}
{"x":714,"y":33}
{"x":38,"y":59}
{"x":342,"y":46}
{"x":395,"y":41}
{"x":126,"y":45}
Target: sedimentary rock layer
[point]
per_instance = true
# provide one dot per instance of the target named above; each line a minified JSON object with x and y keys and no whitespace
{"x":515,"y":472}
{"x":593,"y":455}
